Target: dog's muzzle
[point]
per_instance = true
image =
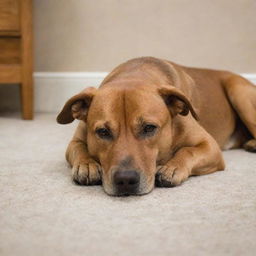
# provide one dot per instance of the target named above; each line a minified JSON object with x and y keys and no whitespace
{"x":126,"y":182}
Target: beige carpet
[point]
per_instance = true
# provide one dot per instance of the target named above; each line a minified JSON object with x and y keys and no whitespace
{"x":43,"y":213}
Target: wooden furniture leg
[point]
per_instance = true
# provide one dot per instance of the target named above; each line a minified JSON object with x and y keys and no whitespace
{"x":27,"y":60}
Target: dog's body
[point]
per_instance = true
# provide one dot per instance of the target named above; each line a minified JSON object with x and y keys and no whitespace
{"x":153,"y":118}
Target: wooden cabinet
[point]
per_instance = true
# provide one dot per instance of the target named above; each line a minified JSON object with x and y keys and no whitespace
{"x":9,"y":15}
{"x":16,"y":63}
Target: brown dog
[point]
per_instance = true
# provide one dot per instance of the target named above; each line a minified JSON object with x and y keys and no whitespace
{"x":153,"y":121}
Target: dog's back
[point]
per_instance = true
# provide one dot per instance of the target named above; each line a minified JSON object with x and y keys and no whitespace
{"x":205,"y":88}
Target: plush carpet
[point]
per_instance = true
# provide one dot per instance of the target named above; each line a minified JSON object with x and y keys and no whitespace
{"x":43,"y":213}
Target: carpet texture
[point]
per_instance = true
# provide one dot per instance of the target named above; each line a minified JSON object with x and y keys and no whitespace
{"x":43,"y":213}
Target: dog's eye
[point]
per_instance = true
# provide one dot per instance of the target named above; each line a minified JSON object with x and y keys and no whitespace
{"x":104,"y":133}
{"x":149,"y":129}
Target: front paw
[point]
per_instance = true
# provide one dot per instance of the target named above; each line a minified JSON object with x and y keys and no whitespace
{"x":250,"y":146}
{"x":170,"y":175}
{"x":87,"y":173}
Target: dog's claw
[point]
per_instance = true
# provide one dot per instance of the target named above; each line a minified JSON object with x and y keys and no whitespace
{"x":170,"y":176}
{"x":87,"y":174}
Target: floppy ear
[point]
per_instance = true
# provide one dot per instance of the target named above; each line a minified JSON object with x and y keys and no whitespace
{"x":177,"y":102}
{"x":77,"y":107}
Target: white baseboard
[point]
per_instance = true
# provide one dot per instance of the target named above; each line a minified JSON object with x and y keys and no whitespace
{"x":52,"y":89}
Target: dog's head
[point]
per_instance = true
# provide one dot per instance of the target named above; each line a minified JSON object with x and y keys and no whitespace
{"x":128,"y":131}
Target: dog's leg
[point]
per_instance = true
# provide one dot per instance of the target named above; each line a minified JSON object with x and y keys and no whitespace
{"x":242,"y":95}
{"x":85,"y":170}
{"x":203,"y":158}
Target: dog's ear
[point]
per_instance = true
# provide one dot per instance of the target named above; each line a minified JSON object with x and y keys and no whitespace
{"x":77,"y":107}
{"x":176,"y":101}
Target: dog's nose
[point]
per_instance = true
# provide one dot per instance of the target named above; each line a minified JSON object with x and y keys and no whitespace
{"x":126,"y":182}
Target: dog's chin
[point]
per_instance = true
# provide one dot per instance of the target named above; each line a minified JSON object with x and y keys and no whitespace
{"x":143,"y":190}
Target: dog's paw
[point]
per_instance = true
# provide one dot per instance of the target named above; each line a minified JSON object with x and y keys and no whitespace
{"x":250,"y":145}
{"x":87,"y":173}
{"x":170,"y":176}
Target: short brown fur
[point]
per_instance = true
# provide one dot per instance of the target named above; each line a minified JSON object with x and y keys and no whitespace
{"x":195,"y":113}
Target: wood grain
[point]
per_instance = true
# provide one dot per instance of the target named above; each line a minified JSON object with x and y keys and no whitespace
{"x":27,"y":59}
{"x":10,"y":73}
{"x":9,"y":15}
{"x":8,"y":33}
{"x":10,"y":50}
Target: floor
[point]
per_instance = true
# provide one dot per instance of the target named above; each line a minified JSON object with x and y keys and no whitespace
{"x":43,"y":213}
